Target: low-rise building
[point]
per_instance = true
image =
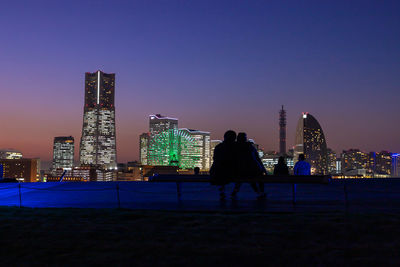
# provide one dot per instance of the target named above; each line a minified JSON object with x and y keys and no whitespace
{"x":23,"y":170}
{"x":10,"y":154}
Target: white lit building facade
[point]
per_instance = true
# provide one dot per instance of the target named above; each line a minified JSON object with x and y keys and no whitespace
{"x":10,"y":154}
{"x":63,"y":152}
{"x":98,"y":141}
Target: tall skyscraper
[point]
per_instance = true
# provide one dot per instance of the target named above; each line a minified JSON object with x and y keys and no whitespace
{"x":98,"y":141}
{"x":310,"y":141}
{"x":63,"y":152}
{"x":282,"y":131}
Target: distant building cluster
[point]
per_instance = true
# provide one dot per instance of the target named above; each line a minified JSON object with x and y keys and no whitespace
{"x":310,"y":141}
{"x":373,"y":164}
{"x":166,"y":148}
{"x":97,"y":147}
{"x":167,"y":145}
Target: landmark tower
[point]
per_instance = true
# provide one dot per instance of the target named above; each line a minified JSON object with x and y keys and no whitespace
{"x":98,"y":141}
{"x":282,"y":131}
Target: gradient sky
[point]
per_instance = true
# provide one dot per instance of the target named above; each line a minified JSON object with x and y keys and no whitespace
{"x":215,"y":65}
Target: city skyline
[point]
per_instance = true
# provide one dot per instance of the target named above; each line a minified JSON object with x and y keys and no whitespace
{"x":233,"y":75}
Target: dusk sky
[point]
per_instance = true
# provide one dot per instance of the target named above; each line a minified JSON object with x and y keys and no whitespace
{"x":214,"y":65}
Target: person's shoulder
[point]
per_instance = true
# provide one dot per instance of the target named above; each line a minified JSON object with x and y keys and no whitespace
{"x":219,"y":147}
{"x":250,"y":146}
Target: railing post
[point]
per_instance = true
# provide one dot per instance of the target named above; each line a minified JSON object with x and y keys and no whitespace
{"x":20,"y":197}
{"x":294,"y":194}
{"x":178,"y":190}
{"x":346,"y":197}
{"x":119,"y":201}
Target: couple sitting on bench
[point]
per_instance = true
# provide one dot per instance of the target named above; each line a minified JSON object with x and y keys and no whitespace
{"x":236,"y":160}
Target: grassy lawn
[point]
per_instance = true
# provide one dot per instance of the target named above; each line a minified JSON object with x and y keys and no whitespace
{"x":144,"y":238}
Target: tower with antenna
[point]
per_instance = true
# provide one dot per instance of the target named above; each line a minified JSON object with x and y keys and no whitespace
{"x":282,"y":131}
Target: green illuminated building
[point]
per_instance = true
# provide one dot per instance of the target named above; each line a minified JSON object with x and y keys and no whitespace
{"x":180,"y":147}
{"x":166,"y":145}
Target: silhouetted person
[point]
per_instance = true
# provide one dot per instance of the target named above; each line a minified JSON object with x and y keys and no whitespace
{"x":249,"y":165}
{"x":281,"y":168}
{"x":223,"y":169}
{"x":302,"y":167}
{"x":196,"y":170}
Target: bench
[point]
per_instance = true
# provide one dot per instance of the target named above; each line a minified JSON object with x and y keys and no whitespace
{"x":270,"y":179}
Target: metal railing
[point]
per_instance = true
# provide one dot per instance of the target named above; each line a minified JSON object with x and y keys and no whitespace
{"x":146,"y":188}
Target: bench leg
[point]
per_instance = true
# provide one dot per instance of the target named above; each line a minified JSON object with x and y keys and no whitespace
{"x":294,"y":194}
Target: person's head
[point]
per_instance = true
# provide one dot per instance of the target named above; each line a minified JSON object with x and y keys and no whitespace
{"x":230,"y":136}
{"x":242,"y":138}
{"x":196,"y":170}
{"x":301,"y":157}
{"x":281,"y":160}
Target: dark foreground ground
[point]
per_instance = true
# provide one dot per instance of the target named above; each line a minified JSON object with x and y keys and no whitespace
{"x":161,"y":238}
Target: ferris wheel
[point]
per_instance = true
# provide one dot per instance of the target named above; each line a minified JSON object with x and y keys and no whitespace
{"x":174,"y":147}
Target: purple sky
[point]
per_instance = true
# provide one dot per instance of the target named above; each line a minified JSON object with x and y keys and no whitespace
{"x":215,"y":65}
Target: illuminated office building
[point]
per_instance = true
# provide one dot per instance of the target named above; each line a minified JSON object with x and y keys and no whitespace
{"x":84,"y":174}
{"x":23,"y":170}
{"x":63,"y":152}
{"x":143,"y":147}
{"x":159,"y":123}
{"x":354,"y":159}
{"x":338,"y":165}
{"x":371,"y":163}
{"x":383,"y":163}
{"x":98,"y":141}
{"x":200,"y":151}
{"x":10,"y":154}
{"x":395,"y":165}
{"x":213,"y":144}
{"x":331,"y":158}
{"x":310,"y":141}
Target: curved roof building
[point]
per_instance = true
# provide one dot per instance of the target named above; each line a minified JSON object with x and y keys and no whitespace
{"x":311,"y":142}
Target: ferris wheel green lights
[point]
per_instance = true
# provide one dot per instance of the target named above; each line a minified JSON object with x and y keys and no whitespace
{"x":173,"y":147}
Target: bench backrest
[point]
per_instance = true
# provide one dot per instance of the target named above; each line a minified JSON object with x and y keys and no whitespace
{"x":298,"y":179}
